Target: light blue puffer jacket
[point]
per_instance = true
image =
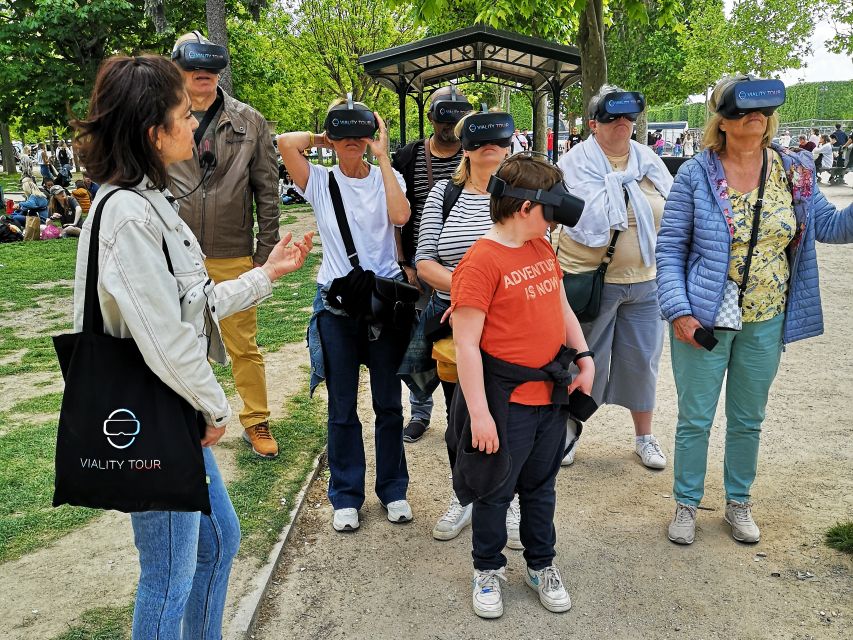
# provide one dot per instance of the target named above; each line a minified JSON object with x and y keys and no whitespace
{"x":694,"y":243}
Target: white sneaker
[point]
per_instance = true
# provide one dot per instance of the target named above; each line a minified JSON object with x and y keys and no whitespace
{"x":487,"y":598}
{"x":682,"y":529}
{"x":648,"y":448}
{"x":573,"y":432}
{"x":549,"y":585}
{"x":399,"y":511}
{"x":453,"y":521}
{"x":513,"y":521}
{"x":739,"y":516}
{"x":345,"y":520}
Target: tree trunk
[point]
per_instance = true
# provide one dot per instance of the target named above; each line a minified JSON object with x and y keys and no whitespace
{"x":642,"y":127}
{"x":157,"y":12}
{"x":593,"y":54}
{"x":217,"y":31}
{"x":8,"y":149}
{"x":540,"y":117}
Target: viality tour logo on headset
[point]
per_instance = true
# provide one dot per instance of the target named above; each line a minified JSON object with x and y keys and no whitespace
{"x":121,"y":428}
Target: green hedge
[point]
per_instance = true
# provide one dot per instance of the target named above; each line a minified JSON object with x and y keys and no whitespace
{"x":806,"y":101}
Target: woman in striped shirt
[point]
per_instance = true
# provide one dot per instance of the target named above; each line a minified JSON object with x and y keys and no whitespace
{"x":442,"y":242}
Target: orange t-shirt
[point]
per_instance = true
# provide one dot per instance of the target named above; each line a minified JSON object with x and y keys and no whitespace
{"x":519,"y":290}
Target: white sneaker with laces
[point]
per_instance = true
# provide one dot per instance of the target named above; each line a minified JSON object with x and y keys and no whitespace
{"x":487,"y":597}
{"x":513,"y":521}
{"x":453,"y":521}
{"x":739,"y":516}
{"x":682,"y":529}
{"x":648,"y":448}
{"x":549,"y":585}
{"x":345,"y":520}
{"x":399,"y":511}
{"x":573,"y":432}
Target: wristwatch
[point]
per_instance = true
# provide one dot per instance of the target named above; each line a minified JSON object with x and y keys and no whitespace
{"x":583,"y":354}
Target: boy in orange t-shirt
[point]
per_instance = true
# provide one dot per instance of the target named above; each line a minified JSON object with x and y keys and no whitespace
{"x":507,"y":299}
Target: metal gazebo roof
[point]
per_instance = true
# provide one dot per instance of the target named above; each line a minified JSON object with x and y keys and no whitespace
{"x":474,"y":54}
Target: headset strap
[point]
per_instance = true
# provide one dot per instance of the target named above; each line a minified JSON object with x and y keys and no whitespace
{"x":341,"y":217}
{"x":208,"y":117}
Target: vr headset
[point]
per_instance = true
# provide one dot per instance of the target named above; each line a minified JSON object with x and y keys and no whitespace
{"x":749,"y":96}
{"x":350,"y":120}
{"x":200,"y":55}
{"x":620,"y":104}
{"x":450,"y":110}
{"x":558,"y":205}
{"x":487,"y":128}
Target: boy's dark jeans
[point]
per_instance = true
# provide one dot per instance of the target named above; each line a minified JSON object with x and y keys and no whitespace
{"x":345,"y":344}
{"x":535,"y":439}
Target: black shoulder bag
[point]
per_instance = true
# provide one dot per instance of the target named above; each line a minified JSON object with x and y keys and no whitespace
{"x":363,"y":294}
{"x":583,"y":290}
{"x":126,"y":440}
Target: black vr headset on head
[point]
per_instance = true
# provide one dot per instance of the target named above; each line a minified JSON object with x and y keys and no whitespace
{"x":558,"y":205}
{"x":350,"y":120}
{"x":450,"y":110}
{"x":620,"y":104}
{"x":200,"y":55}
{"x":751,"y":95}
{"x":487,"y":128}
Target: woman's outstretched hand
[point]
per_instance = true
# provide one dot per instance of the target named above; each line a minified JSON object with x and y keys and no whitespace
{"x":286,"y":257}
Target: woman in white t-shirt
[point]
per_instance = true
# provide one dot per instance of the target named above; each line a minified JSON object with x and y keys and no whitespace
{"x":822,"y":156}
{"x":375,"y":202}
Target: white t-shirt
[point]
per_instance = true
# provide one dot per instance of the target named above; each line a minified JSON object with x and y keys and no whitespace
{"x":785,"y":140}
{"x":367,"y":214}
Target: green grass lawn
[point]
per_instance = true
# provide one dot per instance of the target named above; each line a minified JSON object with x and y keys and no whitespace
{"x":10,"y":181}
{"x":36,"y":297}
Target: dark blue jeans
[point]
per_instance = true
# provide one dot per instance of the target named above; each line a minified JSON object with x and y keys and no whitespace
{"x":345,"y":346}
{"x":535,"y":439}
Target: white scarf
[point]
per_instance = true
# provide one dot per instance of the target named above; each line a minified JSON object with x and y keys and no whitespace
{"x":589,"y":176}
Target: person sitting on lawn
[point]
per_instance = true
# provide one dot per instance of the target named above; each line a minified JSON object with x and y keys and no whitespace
{"x":67,"y":211}
{"x":35,"y":204}
{"x":81,"y":194}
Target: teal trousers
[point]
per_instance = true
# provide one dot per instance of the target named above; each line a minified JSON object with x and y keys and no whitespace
{"x":748,"y":361}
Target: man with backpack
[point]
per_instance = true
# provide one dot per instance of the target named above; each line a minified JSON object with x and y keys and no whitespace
{"x":423,"y":163}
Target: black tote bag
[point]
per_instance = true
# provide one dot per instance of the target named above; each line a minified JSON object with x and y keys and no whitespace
{"x":126,"y":441}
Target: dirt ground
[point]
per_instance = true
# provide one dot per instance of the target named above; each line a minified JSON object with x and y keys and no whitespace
{"x":626,"y":579}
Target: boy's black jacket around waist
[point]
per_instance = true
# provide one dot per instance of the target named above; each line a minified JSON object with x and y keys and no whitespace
{"x":477,"y":474}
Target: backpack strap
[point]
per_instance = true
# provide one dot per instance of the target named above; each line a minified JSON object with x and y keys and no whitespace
{"x":341,"y":217}
{"x":452,"y":191}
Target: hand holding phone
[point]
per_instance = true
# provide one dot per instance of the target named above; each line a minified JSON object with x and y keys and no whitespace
{"x":705,"y":338}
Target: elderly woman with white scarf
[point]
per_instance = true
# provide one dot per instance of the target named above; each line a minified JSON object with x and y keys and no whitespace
{"x":625,"y":186}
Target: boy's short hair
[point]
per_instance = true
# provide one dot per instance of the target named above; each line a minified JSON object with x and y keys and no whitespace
{"x":79,"y":184}
{"x":524,"y":171}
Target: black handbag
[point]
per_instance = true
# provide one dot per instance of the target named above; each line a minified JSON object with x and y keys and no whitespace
{"x":361,"y":293}
{"x":126,"y":441}
{"x":583,"y":290}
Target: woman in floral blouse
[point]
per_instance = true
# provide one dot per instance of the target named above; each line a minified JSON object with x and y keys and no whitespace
{"x":701,"y":253}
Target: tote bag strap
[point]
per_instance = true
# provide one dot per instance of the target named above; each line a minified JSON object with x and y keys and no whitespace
{"x":93,"y":319}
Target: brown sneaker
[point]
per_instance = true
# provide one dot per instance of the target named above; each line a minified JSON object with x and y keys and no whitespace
{"x":261,"y":440}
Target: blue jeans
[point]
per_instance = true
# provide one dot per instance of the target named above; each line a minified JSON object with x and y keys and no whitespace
{"x":748,"y":360}
{"x":345,"y":346}
{"x":421,"y":410}
{"x":535,"y":437}
{"x":185,"y":560}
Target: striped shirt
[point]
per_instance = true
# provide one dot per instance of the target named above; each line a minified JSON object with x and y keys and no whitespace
{"x":447,"y":242}
{"x":442,"y":169}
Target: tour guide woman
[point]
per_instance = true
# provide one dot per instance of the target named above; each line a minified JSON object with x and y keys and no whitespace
{"x":139,"y":122}
{"x":703,"y":257}
{"x":374,"y":201}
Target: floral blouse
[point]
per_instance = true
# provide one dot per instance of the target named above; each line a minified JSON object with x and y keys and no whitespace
{"x":767,"y":288}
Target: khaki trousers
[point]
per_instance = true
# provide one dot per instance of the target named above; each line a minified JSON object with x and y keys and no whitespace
{"x":239,"y":332}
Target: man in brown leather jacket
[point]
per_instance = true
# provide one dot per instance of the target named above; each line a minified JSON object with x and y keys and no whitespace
{"x":235,"y":171}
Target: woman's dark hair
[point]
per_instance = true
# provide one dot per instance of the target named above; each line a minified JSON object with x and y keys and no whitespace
{"x":131,"y":95}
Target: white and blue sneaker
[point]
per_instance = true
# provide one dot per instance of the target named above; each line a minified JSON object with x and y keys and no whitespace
{"x":549,"y":585}
{"x":345,"y":519}
{"x":487,"y":598}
